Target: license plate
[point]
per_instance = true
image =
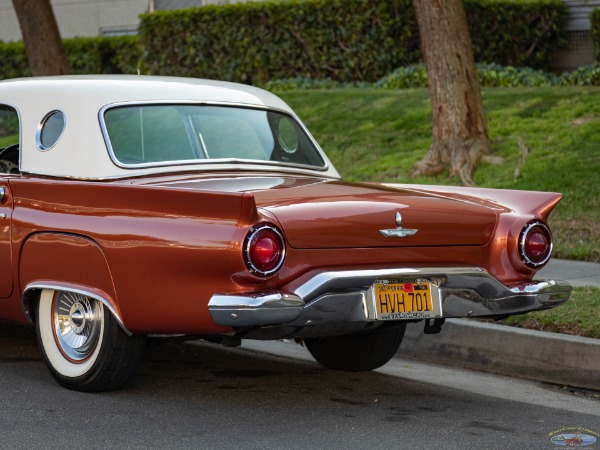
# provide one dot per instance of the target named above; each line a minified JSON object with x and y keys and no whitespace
{"x":403,"y":300}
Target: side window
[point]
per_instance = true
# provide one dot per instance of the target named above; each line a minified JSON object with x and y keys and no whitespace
{"x":9,"y":140}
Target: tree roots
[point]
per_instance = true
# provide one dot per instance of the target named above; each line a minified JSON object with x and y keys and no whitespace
{"x":461,"y":157}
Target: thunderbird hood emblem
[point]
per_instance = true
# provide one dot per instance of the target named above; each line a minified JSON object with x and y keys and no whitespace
{"x":398,"y":232}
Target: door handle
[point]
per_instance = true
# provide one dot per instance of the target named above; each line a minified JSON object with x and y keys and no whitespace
{"x":2,"y":193}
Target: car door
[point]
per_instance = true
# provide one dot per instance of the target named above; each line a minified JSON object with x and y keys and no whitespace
{"x":5,"y":247}
{"x":9,"y":167}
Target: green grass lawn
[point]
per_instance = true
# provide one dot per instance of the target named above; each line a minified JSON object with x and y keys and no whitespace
{"x":375,"y":134}
{"x":579,"y":316}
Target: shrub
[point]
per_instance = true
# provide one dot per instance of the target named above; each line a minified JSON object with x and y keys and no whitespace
{"x":289,"y":84}
{"x":494,"y":75}
{"x":344,"y":40}
{"x":490,"y":75}
{"x":116,"y":55}
{"x":584,"y":76}
{"x":86,"y":55}
{"x":255,"y":42}
{"x":14,"y":61}
{"x":412,"y":76}
{"x":520,"y":33}
{"x":595,"y":31}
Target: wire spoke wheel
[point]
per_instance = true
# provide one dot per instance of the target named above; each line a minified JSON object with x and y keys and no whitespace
{"x":78,"y":322}
{"x":81,"y":342}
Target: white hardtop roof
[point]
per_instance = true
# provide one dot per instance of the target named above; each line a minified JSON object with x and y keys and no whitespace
{"x":106,"y":89}
{"x":81,"y":151}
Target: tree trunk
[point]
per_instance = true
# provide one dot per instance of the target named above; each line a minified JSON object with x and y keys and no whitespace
{"x":460,"y":136}
{"x":43,"y":45}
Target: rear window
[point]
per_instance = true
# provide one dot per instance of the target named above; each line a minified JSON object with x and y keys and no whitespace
{"x":181,"y":134}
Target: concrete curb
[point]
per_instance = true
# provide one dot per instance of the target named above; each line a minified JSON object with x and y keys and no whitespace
{"x":536,"y":355}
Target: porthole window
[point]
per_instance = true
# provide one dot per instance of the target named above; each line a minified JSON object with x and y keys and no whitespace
{"x":287,"y":135}
{"x":50,"y":130}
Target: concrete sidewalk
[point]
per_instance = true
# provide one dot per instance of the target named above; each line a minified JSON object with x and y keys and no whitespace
{"x":536,"y":355}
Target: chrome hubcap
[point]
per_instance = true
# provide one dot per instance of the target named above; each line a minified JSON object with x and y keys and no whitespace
{"x":77,"y":324}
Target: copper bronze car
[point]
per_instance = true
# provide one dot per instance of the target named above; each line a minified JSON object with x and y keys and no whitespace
{"x":134,"y":206}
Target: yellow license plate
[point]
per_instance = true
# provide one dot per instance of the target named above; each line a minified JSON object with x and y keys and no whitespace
{"x":403,"y":300}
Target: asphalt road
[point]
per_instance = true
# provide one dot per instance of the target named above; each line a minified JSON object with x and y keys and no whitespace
{"x":206,"y":396}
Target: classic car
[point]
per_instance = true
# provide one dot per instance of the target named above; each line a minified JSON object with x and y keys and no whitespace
{"x":136,"y":206}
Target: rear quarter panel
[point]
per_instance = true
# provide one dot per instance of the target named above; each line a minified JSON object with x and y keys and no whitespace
{"x":166,"y":250}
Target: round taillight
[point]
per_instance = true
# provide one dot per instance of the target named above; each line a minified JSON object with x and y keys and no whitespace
{"x":264,"y":250}
{"x":535,"y":244}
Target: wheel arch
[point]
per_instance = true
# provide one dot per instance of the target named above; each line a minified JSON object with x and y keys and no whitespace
{"x":32,"y":292}
{"x":66,"y":262}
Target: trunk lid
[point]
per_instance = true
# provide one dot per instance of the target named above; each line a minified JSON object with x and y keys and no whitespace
{"x":340,"y":215}
{"x":317,"y":213}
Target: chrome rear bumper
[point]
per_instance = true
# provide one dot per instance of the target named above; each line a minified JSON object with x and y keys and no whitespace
{"x":346,"y":297}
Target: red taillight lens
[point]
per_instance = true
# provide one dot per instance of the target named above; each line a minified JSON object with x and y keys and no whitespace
{"x":264,"y":250}
{"x":535,"y":244}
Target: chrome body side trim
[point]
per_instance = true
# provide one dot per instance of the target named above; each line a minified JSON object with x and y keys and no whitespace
{"x":41,"y":286}
{"x":346,"y":297}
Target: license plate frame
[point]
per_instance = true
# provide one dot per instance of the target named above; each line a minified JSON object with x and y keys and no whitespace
{"x":405,"y":299}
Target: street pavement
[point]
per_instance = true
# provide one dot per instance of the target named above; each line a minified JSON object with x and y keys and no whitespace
{"x":200,"y":395}
{"x":536,"y":355}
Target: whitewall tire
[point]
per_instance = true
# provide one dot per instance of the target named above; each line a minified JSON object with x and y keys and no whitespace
{"x":82,"y":344}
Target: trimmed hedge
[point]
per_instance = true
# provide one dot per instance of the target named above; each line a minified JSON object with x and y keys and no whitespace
{"x":342,"y":40}
{"x":86,"y":56}
{"x":254,"y":42}
{"x":521,"y":33}
{"x":595,"y":31}
{"x":115,"y":55}
{"x":345,"y":40}
{"x":14,"y":61}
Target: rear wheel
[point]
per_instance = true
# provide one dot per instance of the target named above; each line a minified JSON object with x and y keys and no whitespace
{"x":82,"y":343}
{"x":357,"y":352}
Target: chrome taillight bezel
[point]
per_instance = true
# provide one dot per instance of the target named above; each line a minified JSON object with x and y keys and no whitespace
{"x":527,"y":229}
{"x":253,"y":233}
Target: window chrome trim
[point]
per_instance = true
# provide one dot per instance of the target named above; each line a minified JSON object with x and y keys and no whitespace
{"x":40,"y":128}
{"x":188,"y":162}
